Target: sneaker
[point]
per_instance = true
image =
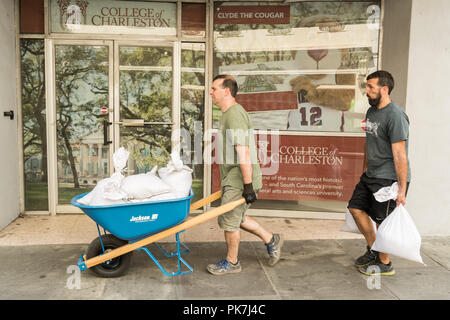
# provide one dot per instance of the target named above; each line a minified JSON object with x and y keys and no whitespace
{"x":377,"y":268}
{"x":274,"y":249}
{"x":366,"y":258}
{"x":224,"y":267}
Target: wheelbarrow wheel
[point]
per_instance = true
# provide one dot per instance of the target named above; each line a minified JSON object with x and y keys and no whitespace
{"x":115,"y":267}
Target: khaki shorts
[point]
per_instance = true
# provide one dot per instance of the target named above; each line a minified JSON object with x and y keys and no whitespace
{"x":231,"y":221}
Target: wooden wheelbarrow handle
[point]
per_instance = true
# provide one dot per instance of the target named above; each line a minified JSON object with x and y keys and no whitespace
{"x":203,"y":202}
{"x":163,"y":234}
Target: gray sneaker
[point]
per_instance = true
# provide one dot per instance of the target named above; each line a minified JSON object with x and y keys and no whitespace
{"x":366,"y":258}
{"x":274,"y":249}
{"x":223,"y":267}
{"x":377,"y":268}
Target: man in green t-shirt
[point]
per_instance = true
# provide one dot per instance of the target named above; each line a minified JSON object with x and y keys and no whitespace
{"x":386,"y":162}
{"x":240,"y":176}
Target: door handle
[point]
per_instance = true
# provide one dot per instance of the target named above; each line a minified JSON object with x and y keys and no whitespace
{"x":105,"y":132}
{"x":9,"y":114}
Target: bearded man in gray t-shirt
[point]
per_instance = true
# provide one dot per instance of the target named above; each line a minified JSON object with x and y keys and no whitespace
{"x":385,"y":162}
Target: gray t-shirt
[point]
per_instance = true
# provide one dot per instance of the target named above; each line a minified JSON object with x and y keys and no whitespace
{"x":236,"y":128}
{"x":384,"y":127}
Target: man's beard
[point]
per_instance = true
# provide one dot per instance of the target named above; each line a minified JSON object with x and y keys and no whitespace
{"x":374,"y":102}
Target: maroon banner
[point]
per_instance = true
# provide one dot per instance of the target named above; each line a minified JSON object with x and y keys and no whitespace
{"x":252,"y":15}
{"x":264,"y":101}
{"x":313,"y":168}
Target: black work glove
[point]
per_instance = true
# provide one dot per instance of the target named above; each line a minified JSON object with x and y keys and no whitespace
{"x":249,"y":194}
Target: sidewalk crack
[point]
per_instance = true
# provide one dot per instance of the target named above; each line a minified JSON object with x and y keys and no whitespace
{"x":265,"y":272}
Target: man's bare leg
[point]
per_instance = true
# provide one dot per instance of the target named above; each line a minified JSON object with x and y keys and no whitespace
{"x":252,"y":226}
{"x":232,"y":238}
{"x":384,"y":257}
{"x":364,"y":224}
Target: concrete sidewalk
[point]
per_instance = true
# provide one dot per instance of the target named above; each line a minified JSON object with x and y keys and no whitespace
{"x":39,"y":255}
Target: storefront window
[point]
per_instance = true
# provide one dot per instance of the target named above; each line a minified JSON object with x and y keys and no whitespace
{"x":308,"y":69}
{"x":301,"y":69}
{"x":34,"y":124}
{"x":113,"y":17}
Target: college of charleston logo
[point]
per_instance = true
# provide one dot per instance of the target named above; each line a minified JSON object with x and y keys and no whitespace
{"x":70,"y":14}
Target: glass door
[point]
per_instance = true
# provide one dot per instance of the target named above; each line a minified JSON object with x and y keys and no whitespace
{"x":147,"y":100}
{"x":82,"y":101}
{"x":159,"y":94}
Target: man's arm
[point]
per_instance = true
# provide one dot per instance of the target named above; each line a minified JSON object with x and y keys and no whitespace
{"x":245,"y":163}
{"x":401,"y":169}
{"x":246,"y":169}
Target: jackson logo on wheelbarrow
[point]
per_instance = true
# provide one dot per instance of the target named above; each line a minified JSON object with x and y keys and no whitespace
{"x":144,"y":218}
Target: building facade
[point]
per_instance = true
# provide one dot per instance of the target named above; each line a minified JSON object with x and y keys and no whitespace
{"x":92,"y":76}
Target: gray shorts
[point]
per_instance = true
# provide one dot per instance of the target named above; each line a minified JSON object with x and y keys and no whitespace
{"x":231,"y":221}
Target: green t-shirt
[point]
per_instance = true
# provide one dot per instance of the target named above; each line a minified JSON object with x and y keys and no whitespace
{"x":236,"y":129}
{"x":384,"y":127}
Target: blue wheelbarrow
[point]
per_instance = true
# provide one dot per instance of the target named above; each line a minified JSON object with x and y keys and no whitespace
{"x":133,"y":226}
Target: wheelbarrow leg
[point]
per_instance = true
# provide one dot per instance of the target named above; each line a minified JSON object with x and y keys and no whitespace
{"x":180,"y":259}
{"x":100,"y":237}
{"x":101,"y":241}
{"x":173,"y":254}
{"x":178,"y":253}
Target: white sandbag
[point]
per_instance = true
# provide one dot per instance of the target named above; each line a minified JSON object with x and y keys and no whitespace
{"x":139,"y":200}
{"x":99,"y":200}
{"x":112,"y":190}
{"x":387,"y":193}
{"x":144,"y":185}
{"x":159,"y":197}
{"x":398,"y":236}
{"x":86,"y":200}
{"x":175,"y":161}
{"x":164,"y":196}
{"x":120,"y":158}
{"x":107,"y":191}
{"x":177,"y":176}
{"x":350,"y":224}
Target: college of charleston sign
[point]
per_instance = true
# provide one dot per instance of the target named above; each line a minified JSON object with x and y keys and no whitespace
{"x":106,"y":16}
